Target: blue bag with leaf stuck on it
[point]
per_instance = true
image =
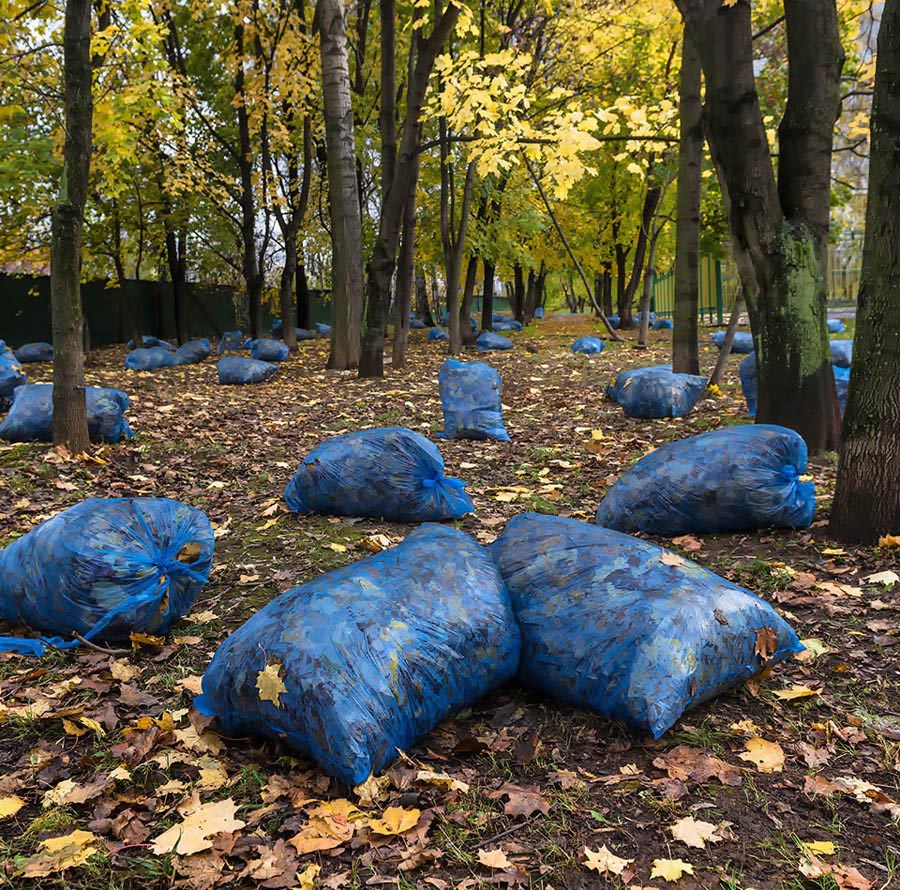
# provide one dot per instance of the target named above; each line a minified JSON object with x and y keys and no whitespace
{"x":613,"y":387}
{"x":470,"y":398}
{"x":104,"y":569}
{"x":732,"y":479}
{"x":620,"y":625}
{"x":30,"y":418}
{"x":231,"y":341}
{"x":369,"y":658}
{"x":388,"y":472}
{"x":11,"y":376}
{"x":657,"y":392}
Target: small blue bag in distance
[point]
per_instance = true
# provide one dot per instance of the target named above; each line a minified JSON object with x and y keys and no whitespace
{"x":371,"y":656}
{"x":470,"y":398}
{"x":740,"y":345}
{"x":192,"y":352}
{"x":588,"y":345}
{"x":488,"y":342}
{"x":231,"y":341}
{"x":624,"y":627}
{"x":389,"y":472}
{"x":732,"y":479}
{"x":841,"y":353}
{"x":150,"y":359}
{"x":238,"y":371}
{"x":103,"y":569}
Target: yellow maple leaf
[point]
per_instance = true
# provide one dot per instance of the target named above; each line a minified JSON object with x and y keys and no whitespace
{"x":889,"y":541}
{"x":818,"y":848}
{"x":373,"y":790}
{"x":441,"y":780}
{"x":605,"y":861}
{"x":395,"y":820}
{"x":307,"y":877}
{"x":9,"y":806}
{"x":494,"y":859}
{"x":671,"y":869}
{"x":768,"y":756}
{"x":59,"y":853}
{"x":195,"y":833}
{"x":694,"y":833}
{"x":270,"y":684}
{"x":795,"y":692}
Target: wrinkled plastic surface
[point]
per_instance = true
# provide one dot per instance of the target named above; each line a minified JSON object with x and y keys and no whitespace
{"x":589,"y":345}
{"x":836,"y":326}
{"x":416,"y":324}
{"x":607,"y":624}
{"x":300,"y":333}
{"x":372,"y":656}
{"x":35,"y":352}
{"x":148,"y":342}
{"x":11,"y":376}
{"x":508,"y":324}
{"x":322,"y":328}
{"x":150,"y":359}
{"x":30,"y":418}
{"x":750,"y":386}
{"x":231,"y":342}
{"x":470,"y":398}
{"x":387,"y":472}
{"x":663,"y":324}
{"x":237,"y":371}
{"x":192,"y":352}
{"x":105,"y":568}
{"x":488,"y":342}
{"x":438,"y":334}
{"x":741,"y":345}
{"x":657,"y":393}
{"x":613,"y":387}
{"x":842,"y":353}
{"x":269,"y":350}
{"x":732,"y":479}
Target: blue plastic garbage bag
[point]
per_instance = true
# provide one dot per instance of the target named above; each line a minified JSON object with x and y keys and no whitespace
{"x":150,"y":359}
{"x":507,"y":324}
{"x":836,"y":326}
{"x":304,"y":334}
{"x":741,"y":345}
{"x":660,"y":393}
{"x":500,"y":316}
{"x":539,"y":312}
{"x":370,"y":657}
{"x":438,"y":334}
{"x":613,"y":387}
{"x":589,"y":345}
{"x":841,"y":382}
{"x":445,"y":320}
{"x":322,"y":328}
{"x":238,"y":371}
{"x":842,"y":353}
{"x":470,"y":398}
{"x":662,"y":324}
{"x":614,"y":321}
{"x":416,"y":324}
{"x":103,"y":569}
{"x":387,"y":472}
{"x":622,"y":626}
{"x":751,"y":391}
{"x":269,"y":350}
{"x":35,"y":352}
{"x":736,"y":478}
{"x":488,"y":342}
{"x":11,"y":377}
{"x":148,"y":342}
{"x":30,"y":418}
{"x":192,"y":352}
{"x":231,"y":342}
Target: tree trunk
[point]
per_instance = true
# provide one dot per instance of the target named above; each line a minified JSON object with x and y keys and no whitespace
{"x":423,"y":307}
{"x":685,"y":347}
{"x":487,"y":297}
{"x":867,"y":496}
{"x":722,"y":361}
{"x":784,"y":286}
{"x":455,"y":259}
{"x":649,"y":277}
{"x":626,"y":298}
{"x":175,"y":260}
{"x":69,"y":406}
{"x":465,"y":309}
{"x":302,"y":297}
{"x":346,"y":223}
{"x":517,"y":302}
{"x":286,"y":292}
{"x":405,"y":281}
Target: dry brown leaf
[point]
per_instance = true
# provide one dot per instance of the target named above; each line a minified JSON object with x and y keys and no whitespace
{"x":195,"y":833}
{"x":669,"y":558}
{"x":521,"y":801}
{"x":56,"y":854}
{"x":767,"y":756}
{"x":494,"y":859}
{"x":441,"y":780}
{"x":671,"y":869}
{"x":605,"y":861}
{"x":695,"y":833}
{"x":373,"y":790}
{"x":766,"y":643}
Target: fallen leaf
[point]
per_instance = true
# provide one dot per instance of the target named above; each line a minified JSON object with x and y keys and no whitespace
{"x":441,"y":780}
{"x":818,"y":848}
{"x":766,"y":643}
{"x":307,"y":878}
{"x":886,"y":578}
{"x":9,"y":806}
{"x":687,"y":543}
{"x":494,"y":859}
{"x":889,"y":541}
{"x":270,"y":684}
{"x":56,"y":854}
{"x":669,"y":558}
{"x":795,"y":692}
{"x":395,"y":820}
{"x":814,"y":649}
{"x":375,"y":543}
{"x":337,"y":548}
{"x":373,"y":790}
{"x":521,"y":801}
{"x":605,"y":861}
{"x":767,"y":756}
{"x":671,"y":869}
{"x":195,"y":832}
{"x":695,"y":833}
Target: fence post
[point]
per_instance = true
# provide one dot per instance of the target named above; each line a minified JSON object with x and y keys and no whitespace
{"x":719,"y":318}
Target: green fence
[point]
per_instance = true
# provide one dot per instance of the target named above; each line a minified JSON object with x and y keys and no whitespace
{"x":716,"y":292}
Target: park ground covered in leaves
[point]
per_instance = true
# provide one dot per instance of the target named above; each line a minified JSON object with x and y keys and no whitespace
{"x":791,"y":781}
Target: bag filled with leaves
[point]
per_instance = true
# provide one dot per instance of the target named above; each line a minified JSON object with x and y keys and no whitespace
{"x":150,"y":359}
{"x":231,"y":342}
{"x":835,"y":326}
{"x":736,"y":478}
{"x":841,"y":353}
{"x":740,"y":345}
{"x":35,"y":352}
{"x":654,"y":393}
{"x":104,"y":569}
{"x":488,"y":342}
{"x":237,"y":371}
{"x":613,"y":387}
{"x":265,"y":350}
{"x":369,"y":658}
{"x":388,"y":472}
{"x":470,"y":398}
{"x":625,"y":627}
{"x":30,"y":418}
{"x":750,"y":387}
{"x":11,"y":376}
{"x":588,"y":345}
{"x":192,"y":352}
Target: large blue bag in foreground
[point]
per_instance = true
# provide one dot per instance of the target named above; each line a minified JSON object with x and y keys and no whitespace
{"x":741,"y":345}
{"x":369,"y":658}
{"x":622,"y":626}
{"x":739,"y":477}
{"x":389,"y":472}
{"x":103,"y":569}
{"x":470,"y":397}
{"x":238,"y":371}
{"x":658,"y":392}
{"x":31,"y":417}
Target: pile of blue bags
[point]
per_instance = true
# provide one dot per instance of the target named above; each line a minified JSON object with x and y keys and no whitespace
{"x":193,"y":352}
{"x":371,"y":657}
{"x":657,"y":392}
{"x":390,"y":472}
{"x":622,"y":626}
{"x":30,"y":418}
{"x":237,"y":371}
{"x":150,"y":359}
{"x":588,"y":345}
{"x":740,"y":345}
{"x":34,"y":352}
{"x":264,"y":350}
{"x":231,"y":341}
{"x":104,"y":569}
{"x":488,"y":342}
{"x":471,"y":402}
{"x":750,"y":386}
{"x":300,"y":333}
{"x":732,"y":479}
